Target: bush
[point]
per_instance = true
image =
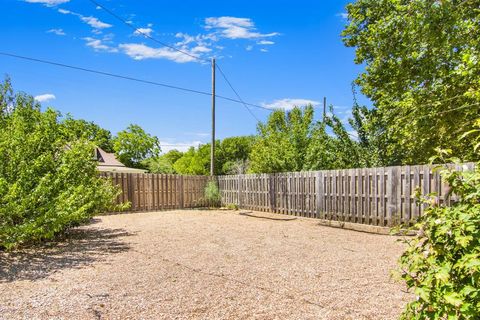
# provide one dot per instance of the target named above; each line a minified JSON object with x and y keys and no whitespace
{"x":212,"y":194}
{"x":232,"y":206}
{"x":47,"y":183}
{"x":442,"y":264}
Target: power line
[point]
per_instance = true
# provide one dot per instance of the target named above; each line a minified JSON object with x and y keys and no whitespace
{"x":236,"y":93}
{"x":130,"y":25}
{"x":58,"y":64}
{"x":63,"y":65}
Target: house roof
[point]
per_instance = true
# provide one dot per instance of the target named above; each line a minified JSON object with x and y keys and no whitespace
{"x":108,"y":162}
{"x":107,"y":159}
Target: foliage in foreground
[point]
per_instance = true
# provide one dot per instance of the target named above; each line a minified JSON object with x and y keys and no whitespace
{"x":48,"y":183}
{"x":442,"y":264}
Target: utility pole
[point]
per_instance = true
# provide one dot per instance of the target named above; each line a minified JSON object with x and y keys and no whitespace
{"x":324,"y":108}
{"x":212,"y":147}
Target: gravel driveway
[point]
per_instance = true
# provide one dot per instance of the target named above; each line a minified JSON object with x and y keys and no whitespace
{"x":204,"y":265}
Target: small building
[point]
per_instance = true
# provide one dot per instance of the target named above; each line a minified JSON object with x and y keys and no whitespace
{"x":107,"y":162}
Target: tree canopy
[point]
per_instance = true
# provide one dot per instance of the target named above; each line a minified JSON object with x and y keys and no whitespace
{"x":294,"y":141}
{"x":133,"y":146}
{"x":421,"y":73}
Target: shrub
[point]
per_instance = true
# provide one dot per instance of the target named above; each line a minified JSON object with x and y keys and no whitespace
{"x":232,"y":206}
{"x":212,"y":194}
{"x":47,"y":183}
{"x":442,"y":264}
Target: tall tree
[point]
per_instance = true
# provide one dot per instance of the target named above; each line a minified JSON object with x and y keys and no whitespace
{"x":421,"y":72}
{"x":195,"y":161}
{"x":233,"y":154}
{"x":283,"y":141}
{"x":163,"y":163}
{"x":82,"y":129}
{"x":133,"y":146}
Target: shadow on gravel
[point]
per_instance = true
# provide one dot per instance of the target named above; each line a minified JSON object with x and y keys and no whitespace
{"x":80,"y":247}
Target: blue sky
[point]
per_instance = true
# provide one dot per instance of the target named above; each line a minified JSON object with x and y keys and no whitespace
{"x":275,"y":53}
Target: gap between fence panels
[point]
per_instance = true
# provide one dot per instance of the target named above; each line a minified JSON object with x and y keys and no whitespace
{"x":381,"y":197}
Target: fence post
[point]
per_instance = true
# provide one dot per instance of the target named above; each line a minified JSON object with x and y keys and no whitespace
{"x":180,"y":192}
{"x":240,"y":200}
{"x":392,"y":194}
{"x":272,"y":179}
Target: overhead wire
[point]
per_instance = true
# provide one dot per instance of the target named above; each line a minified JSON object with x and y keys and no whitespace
{"x":236,"y":93}
{"x":138,"y":31}
{"x":114,"y":75}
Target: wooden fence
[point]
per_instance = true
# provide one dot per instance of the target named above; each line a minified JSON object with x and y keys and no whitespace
{"x":149,"y":192}
{"x":376,"y":196}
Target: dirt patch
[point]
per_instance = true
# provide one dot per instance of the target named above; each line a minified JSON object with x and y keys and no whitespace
{"x":204,"y":265}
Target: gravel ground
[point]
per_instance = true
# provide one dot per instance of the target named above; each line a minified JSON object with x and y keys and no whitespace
{"x":204,"y":265}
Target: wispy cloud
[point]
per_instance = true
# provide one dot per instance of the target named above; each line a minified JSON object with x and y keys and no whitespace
{"x":98,"y":45}
{"x":63,"y":11}
{"x":45,"y":97}
{"x":58,"y":32}
{"x":95,"y":23}
{"x":49,"y":3}
{"x":235,"y":28}
{"x":263,"y":50}
{"x":143,"y":31}
{"x":288,"y":104}
{"x":140,"y":51}
{"x":343,"y":15}
{"x":266,"y":42}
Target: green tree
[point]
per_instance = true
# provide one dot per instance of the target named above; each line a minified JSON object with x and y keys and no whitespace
{"x":82,"y":129}
{"x":421,"y":72}
{"x":293,"y":141}
{"x":133,"y":146}
{"x":196,"y":161}
{"x":283,"y":141}
{"x":48,"y":182}
{"x":163,"y":163}
{"x":233,"y":154}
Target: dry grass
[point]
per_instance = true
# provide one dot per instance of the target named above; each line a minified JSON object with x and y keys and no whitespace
{"x":204,"y":265}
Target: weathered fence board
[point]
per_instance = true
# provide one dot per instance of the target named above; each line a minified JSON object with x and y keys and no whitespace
{"x":151,"y":192}
{"x":376,"y":196}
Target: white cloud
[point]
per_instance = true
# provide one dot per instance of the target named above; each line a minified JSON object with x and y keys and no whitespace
{"x":288,"y":104}
{"x":235,"y":28}
{"x":264,"y":50}
{"x":91,"y":21}
{"x":63,"y":11}
{"x":180,"y":146}
{"x":249,"y":48}
{"x":58,"y":32}
{"x":343,"y":15}
{"x":45,"y":97}
{"x":139,"y":51}
{"x":95,"y":23}
{"x":49,"y":3}
{"x":98,"y":45}
{"x":265,"y":42}
{"x":143,"y":31}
